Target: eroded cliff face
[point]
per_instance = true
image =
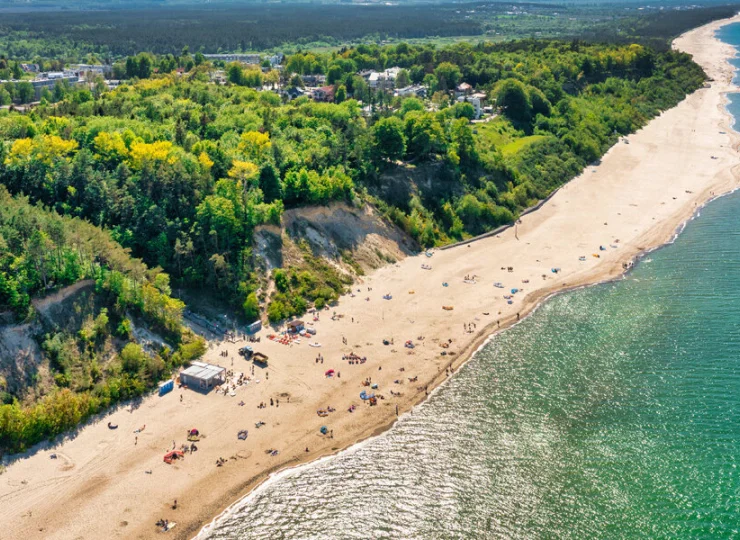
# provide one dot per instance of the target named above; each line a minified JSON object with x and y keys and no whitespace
{"x":352,"y":239}
{"x":24,"y":368}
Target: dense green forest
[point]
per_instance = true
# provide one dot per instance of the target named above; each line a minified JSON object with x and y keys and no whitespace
{"x":75,"y":35}
{"x":182,"y":171}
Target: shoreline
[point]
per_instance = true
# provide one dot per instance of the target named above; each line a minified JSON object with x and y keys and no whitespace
{"x":221,"y":493}
{"x":481,"y":341}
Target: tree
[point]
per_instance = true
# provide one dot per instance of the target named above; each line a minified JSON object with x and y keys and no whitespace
{"x":235,"y":74}
{"x":272,"y":77}
{"x":464,"y":110}
{"x":463,"y":142}
{"x":448,"y":75}
{"x":255,"y":146}
{"x":270,"y":182}
{"x":144,"y":66}
{"x":341,"y":94}
{"x":540,"y":104}
{"x":296,"y":81}
{"x":25,"y":92}
{"x":403,"y":79}
{"x":424,"y":134}
{"x":5,"y":97}
{"x":133,"y":358}
{"x":334,"y":74}
{"x":390,"y":142}
{"x":251,"y":307}
{"x":417,"y":74}
{"x":431,"y":83}
{"x":411,"y":104}
{"x":512,"y":97}
{"x":132,"y":68}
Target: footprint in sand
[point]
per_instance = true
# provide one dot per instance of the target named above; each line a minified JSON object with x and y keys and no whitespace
{"x":65,"y":463}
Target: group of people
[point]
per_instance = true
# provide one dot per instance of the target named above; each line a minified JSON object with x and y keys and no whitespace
{"x":354,"y":358}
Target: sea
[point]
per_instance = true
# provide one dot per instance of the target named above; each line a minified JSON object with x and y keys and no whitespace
{"x":611,"y":412}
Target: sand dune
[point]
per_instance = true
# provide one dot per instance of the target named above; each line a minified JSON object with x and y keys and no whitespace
{"x":635,"y":199}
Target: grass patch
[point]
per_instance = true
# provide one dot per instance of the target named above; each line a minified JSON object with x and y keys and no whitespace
{"x":514,"y":147}
{"x":497,"y":133}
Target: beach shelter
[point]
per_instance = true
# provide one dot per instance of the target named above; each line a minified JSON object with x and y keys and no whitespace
{"x":169,"y":457}
{"x":329,"y":373}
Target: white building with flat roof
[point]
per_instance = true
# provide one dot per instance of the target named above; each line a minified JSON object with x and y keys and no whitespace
{"x":203,"y":377}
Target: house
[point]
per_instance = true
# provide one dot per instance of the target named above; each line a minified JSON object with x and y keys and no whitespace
{"x":314,"y":80}
{"x":276,"y":59}
{"x":463,"y":89}
{"x":244,"y":58}
{"x":480,"y":96}
{"x":383,"y":80}
{"x":416,"y":90}
{"x":30,"y":68}
{"x":52,"y":79}
{"x":296,"y":326}
{"x":294,"y":92}
{"x":203,"y":377}
{"x":218,"y":76}
{"x":325,"y":93}
{"x":94,"y":69}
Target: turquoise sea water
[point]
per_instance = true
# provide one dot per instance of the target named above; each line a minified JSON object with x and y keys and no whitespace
{"x":611,"y":412}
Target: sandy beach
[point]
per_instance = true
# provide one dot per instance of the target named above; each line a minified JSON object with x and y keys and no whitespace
{"x":114,"y":484}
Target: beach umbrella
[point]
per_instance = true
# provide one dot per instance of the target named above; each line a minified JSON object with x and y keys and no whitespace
{"x":329,"y":373}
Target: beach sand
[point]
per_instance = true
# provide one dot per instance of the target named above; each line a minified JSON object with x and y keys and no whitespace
{"x":641,"y":192}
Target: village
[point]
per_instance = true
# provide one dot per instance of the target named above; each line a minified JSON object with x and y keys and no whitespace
{"x":392,"y":82}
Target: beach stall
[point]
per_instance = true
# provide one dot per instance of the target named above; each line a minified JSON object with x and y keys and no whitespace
{"x":202,"y":376}
{"x":296,"y":326}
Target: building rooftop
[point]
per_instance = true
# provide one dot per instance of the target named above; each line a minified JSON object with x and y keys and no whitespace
{"x":203,"y":371}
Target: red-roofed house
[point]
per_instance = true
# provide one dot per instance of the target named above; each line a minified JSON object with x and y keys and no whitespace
{"x":325,"y":93}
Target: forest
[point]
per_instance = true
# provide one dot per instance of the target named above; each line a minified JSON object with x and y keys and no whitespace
{"x":182,"y":171}
{"x":166,"y":28}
